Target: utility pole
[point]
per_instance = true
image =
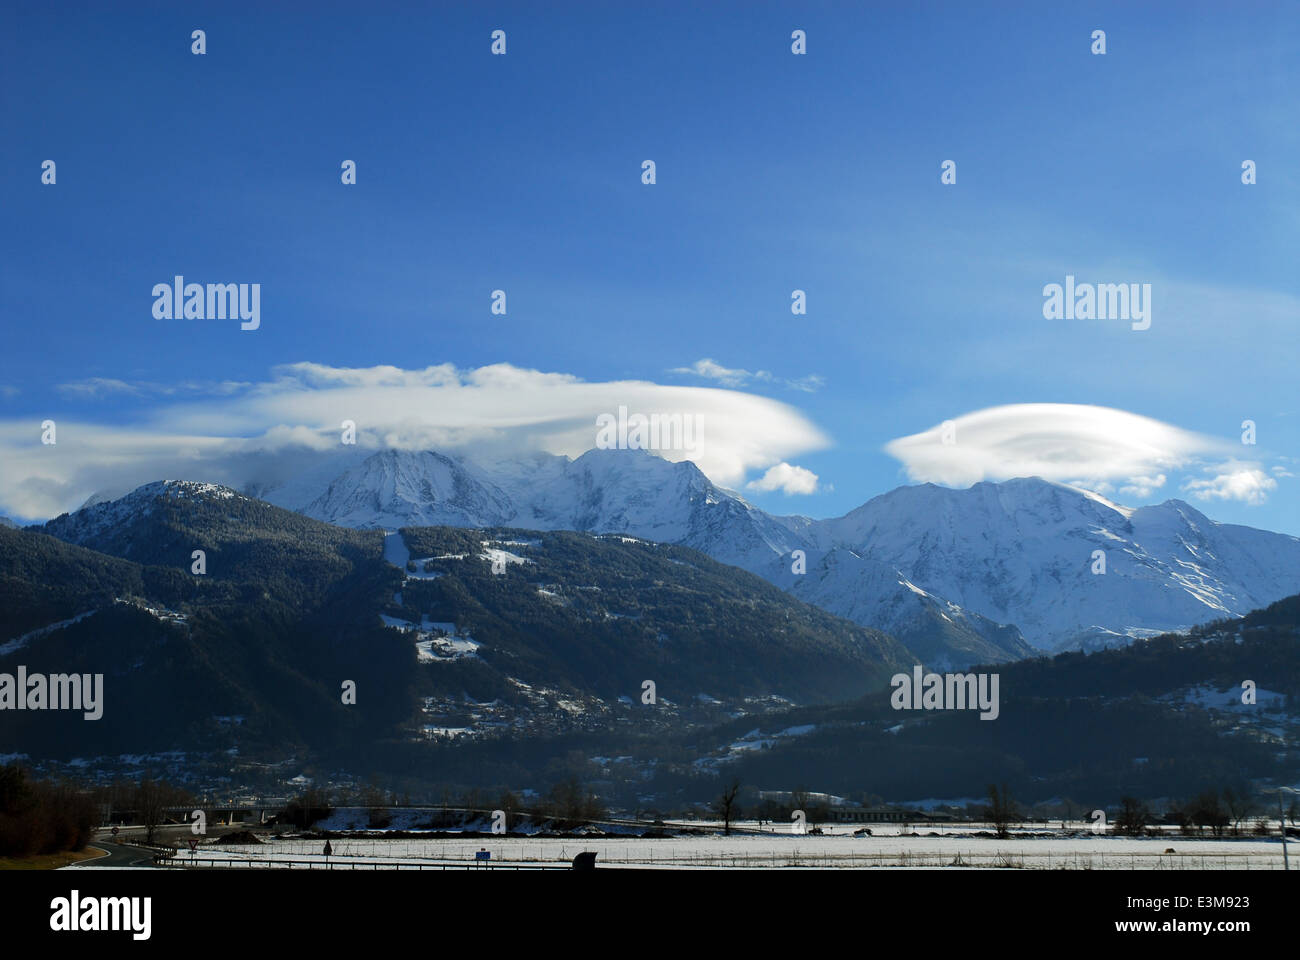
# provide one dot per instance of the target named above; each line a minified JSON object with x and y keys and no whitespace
{"x":1281,"y":813}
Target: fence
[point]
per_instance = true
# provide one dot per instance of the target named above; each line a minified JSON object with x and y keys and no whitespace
{"x":229,"y":863}
{"x":650,"y":857}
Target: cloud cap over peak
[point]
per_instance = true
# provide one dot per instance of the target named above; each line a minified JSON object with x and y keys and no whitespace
{"x":215,"y":433}
{"x":1099,"y":448}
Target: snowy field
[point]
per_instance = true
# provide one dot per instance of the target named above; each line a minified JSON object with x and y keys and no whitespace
{"x":775,"y":850}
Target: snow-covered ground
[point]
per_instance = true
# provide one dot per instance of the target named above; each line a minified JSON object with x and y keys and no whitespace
{"x":1231,"y":698}
{"x":754,"y":740}
{"x":785,"y":850}
{"x":16,"y":644}
{"x":398,"y":554}
{"x":435,"y":640}
{"x":498,"y":557}
{"x":446,"y":648}
{"x":395,"y":550}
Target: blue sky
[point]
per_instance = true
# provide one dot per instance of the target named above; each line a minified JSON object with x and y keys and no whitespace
{"x":775,"y":172}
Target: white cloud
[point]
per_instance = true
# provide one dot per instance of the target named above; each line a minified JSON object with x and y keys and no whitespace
{"x":1141,"y":487}
{"x":98,"y":387}
{"x":1233,"y":481}
{"x":712,"y":370}
{"x":736,"y":377}
{"x":93,"y":387}
{"x":1095,"y":447}
{"x":232,"y":432}
{"x":786,"y":478}
{"x":808,"y":384}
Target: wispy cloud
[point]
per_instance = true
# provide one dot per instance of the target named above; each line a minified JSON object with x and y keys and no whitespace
{"x":734,"y":377}
{"x":94,"y":387}
{"x":99,"y":387}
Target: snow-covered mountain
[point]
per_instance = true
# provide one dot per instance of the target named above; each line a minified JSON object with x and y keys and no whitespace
{"x":1023,"y":552}
{"x":399,"y":488}
{"x":603,"y":491}
{"x":868,"y":591}
{"x":635,"y":492}
{"x":104,"y":519}
{"x":958,"y":575}
{"x":919,"y":562}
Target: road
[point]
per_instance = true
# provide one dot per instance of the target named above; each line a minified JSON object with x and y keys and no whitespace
{"x":118,"y":856}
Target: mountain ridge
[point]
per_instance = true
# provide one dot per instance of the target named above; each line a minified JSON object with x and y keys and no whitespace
{"x":989,"y":572}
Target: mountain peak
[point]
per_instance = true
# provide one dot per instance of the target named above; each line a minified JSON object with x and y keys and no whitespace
{"x":1028,"y":552}
{"x":187,"y":489}
{"x":393,"y":488}
{"x":967,"y":563}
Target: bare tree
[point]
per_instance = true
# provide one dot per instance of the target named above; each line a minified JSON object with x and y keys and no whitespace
{"x":1133,"y":817}
{"x":726,"y":806}
{"x":1207,"y":811}
{"x":508,"y":803}
{"x":1182,"y":813}
{"x":151,"y":798}
{"x":799,"y":801}
{"x":1240,"y":805}
{"x":304,"y":810}
{"x":1001,"y":809}
{"x":572,"y":804}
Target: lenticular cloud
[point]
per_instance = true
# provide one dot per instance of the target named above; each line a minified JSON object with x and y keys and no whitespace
{"x":219,"y":434}
{"x":1072,"y":443}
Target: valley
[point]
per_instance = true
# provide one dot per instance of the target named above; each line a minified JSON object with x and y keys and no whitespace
{"x":488,"y":656}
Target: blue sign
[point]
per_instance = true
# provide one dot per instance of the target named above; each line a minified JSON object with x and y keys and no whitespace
{"x":483,"y":855}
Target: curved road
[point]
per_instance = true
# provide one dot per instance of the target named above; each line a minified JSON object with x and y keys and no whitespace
{"x":118,"y":856}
